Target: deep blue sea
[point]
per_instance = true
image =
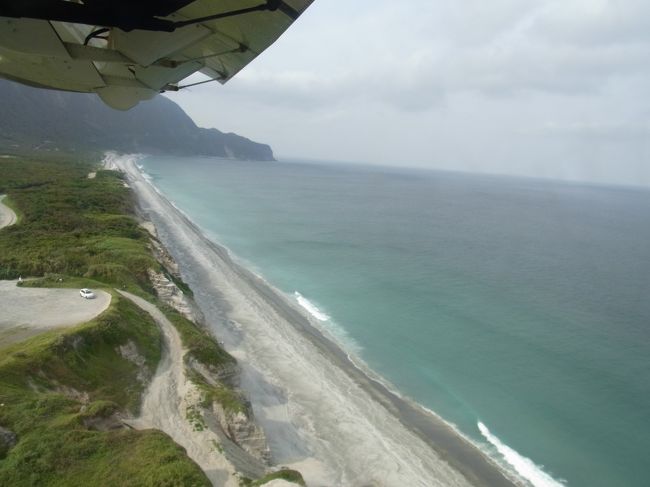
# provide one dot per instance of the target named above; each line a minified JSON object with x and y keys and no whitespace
{"x":520,"y":304}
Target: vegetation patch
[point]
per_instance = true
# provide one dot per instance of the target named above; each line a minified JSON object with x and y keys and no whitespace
{"x":84,"y":359}
{"x":200,"y":345}
{"x":64,"y":457}
{"x":63,"y":392}
{"x":194,"y":416}
{"x":62,"y":281}
{"x":179,"y":283}
{"x":72,"y":225}
{"x":51,"y":384}
{"x":217,"y":446}
{"x":230,"y":400}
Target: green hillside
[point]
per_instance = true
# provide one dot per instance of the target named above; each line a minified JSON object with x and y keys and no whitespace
{"x":33,"y":117}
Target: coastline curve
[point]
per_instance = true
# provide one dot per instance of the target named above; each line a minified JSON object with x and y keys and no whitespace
{"x":407,"y":445}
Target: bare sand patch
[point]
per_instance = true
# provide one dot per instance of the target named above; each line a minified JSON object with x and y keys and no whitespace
{"x":25,"y":312}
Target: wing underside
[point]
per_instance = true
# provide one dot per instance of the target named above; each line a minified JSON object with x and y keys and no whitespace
{"x":135,"y":57}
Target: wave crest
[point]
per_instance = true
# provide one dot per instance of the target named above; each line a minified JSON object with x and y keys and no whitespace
{"x":525,"y":467}
{"x":310,"y":307}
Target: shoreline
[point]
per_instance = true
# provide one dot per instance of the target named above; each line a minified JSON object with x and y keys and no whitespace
{"x":400,"y":435}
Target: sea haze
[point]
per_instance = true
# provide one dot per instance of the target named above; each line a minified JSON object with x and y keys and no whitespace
{"x":517,"y":309}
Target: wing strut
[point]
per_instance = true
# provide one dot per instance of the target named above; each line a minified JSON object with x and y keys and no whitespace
{"x":181,"y":87}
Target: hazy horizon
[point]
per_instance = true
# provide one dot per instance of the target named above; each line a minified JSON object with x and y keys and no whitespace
{"x":549,"y":88}
{"x":461,"y":171}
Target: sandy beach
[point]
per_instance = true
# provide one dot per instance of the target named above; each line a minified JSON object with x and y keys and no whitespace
{"x":322,"y":415}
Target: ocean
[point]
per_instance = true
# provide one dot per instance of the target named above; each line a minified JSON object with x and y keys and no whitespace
{"x":516,"y":309}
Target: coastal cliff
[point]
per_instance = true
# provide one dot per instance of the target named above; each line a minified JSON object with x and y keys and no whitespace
{"x":219,"y":402}
{"x":48,"y":120}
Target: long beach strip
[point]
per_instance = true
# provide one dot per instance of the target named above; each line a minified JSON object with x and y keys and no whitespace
{"x":321,"y":413}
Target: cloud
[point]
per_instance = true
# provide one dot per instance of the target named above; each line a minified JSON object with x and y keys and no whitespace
{"x":563,"y":47}
{"x":484,"y":84}
{"x":600,"y":131}
{"x":412,"y":56}
{"x":594,"y":23}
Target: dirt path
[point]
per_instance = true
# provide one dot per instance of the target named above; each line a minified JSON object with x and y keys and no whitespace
{"x":167,"y":399}
{"x":7,"y":215}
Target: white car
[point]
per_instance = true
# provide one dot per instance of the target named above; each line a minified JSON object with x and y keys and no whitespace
{"x":87,"y":293}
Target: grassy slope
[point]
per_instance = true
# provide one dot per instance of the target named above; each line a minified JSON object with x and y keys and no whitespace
{"x":199,"y":344}
{"x":71,"y":225}
{"x":52,"y":386}
{"x":80,"y":232}
{"x":56,"y":387}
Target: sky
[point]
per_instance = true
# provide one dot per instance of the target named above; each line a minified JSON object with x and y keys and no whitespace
{"x":547,"y":88}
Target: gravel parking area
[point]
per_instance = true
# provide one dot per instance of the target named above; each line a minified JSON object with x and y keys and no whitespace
{"x":28,"y":311}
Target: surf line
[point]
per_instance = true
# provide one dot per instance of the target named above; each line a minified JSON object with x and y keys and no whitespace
{"x":522,"y":465}
{"x":310,"y":307}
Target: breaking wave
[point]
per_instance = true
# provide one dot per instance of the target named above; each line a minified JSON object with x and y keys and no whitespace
{"x":525,"y":467}
{"x":310,"y":307}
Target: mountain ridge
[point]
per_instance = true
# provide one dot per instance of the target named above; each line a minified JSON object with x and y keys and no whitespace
{"x":61,"y":119}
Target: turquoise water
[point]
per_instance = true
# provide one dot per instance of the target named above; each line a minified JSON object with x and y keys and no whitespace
{"x":519,"y":303}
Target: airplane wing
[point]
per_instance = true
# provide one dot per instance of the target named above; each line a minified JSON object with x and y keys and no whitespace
{"x":127,"y":51}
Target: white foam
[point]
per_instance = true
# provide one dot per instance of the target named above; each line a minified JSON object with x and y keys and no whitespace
{"x":310,"y":307}
{"x":525,"y":467}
